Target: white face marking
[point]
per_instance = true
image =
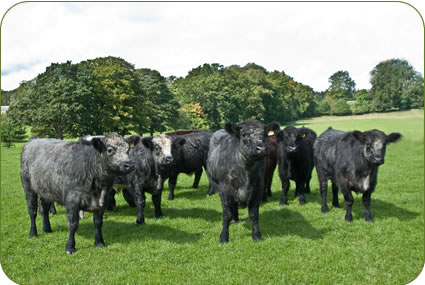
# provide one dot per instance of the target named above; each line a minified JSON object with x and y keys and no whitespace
{"x":164,"y":142}
{"x":378,"y":144}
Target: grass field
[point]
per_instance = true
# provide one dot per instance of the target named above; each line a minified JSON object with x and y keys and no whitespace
{"x":300,"y":244}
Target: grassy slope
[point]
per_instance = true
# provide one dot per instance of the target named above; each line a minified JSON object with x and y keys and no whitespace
{"x":300,"y":244}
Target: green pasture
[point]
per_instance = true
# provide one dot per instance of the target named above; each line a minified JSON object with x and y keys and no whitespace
{"x":300,"y":244}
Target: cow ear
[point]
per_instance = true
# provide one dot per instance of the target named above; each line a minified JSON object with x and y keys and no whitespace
{"x":271,"y":129}
{"x":393,"y":137}
{"x":147,"y":142}
{"x":133,"y":141}
{"x":98,"y":144}
{"x":232,"y":129}
{"x":180,"y":141}
{"x":359,"y":136}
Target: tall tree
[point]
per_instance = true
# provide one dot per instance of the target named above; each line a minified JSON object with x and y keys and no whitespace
{"x":121,"y":96}
{"x":341,"y":85}
{"x":389,"y":79}
{"x":161,"y":103}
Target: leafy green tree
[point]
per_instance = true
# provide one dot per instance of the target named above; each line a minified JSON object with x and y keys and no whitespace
{"x":341,"y":107}
{"x":161,"y":104}
{"x":363,"y":103}
{"x":341,"y":85}
{"x":11,"y":131}
{"x":121,"y":106}
{"x":390,"y":79}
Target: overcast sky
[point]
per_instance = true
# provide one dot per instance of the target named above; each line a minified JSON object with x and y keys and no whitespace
{"x":308,"y":41}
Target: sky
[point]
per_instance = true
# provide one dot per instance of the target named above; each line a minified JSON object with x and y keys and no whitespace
{"x":308,"y":41}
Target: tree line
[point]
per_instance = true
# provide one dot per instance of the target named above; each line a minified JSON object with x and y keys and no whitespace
{"x":109,"y":94}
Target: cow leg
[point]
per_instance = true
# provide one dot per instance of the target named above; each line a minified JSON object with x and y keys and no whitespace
{"x":45,"y":207}
{"x":300,"y":190}
{"x":227,"y":217}
{"x":198,"y":174}
{"x":366,"y":203}
{"x":323,"y":192}
{"x":53,"y":209}
{"x":335,"y":201}
{"x":98,"y":223}
{"x":172,"y":181}
{"x":156,"y":199}
{"x":349,"y":200}
{"x":253,"y":210}
{"x":140,"y":201}
{"x":285,"y":188}
{"x":31,"y":198}
{"x":235,"y":211}
{"x":72,"y":210}
{"x":307,"y":185}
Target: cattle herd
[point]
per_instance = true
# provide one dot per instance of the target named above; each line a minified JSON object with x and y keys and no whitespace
{"x":239,"y":161}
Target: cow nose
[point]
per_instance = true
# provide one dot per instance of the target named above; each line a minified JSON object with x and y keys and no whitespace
{"x":260,"y":149}
{"x":128,"y":166}
{"x":169,"y":159}
{"x":292,"y":148}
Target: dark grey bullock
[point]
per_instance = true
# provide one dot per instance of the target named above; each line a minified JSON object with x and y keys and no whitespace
{"x":190,"y":158}
{"x":75,"y":174}
{"x":295,"y":160}
{"x":235,"y":166}
{"x":350,"y":160}
{"x":152,"y":158}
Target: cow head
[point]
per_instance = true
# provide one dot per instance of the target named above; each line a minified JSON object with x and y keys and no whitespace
{"x":289,"y":137}
{"x":114,"y":153}
{"x":374,"y":144}
{"x":251,"y":135}
{"x":163,"y":148}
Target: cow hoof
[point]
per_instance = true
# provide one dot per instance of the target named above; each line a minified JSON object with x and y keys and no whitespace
{"x":336,"y":205}
{"x":99,"y":244}
{"x":47,"y":231}
{"x":368,"y":219}
{"x":256,"y":237}
{"x":325,"y":210}
{"x":349,"y":219}
{"x":283,"y":203}
{"x":140,"y":222}
{"x":170,"y":198}
{"x":70,"y":251}
{"x":302,"y":202}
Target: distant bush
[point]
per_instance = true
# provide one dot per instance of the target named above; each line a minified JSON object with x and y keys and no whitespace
{"x":342,"y":108}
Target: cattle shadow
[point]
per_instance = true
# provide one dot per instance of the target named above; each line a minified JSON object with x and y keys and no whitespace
{"x":170,"y":213}
{"x":189,"y":193}
{"x":380,"y":209}
{"x":284,"y":222}
{"x":122,"y":232}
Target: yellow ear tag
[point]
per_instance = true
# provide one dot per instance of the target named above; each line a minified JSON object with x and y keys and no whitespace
{"x":303,"y":135}
{"x":270,"y":133}
{"x":131,"y":145}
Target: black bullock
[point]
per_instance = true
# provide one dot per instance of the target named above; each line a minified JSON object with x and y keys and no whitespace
{"x":190,"y":158}
{"x":295,"y":160}
{"x":152,"y":158}
{"x":235,"y":166}
{"x":350,"y":160}
{"x":75,"y":174}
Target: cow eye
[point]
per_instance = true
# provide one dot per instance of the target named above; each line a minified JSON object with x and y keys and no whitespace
{"x":110,"y":150}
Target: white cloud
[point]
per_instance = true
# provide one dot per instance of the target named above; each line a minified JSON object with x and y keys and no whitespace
{"x":309,"y":41}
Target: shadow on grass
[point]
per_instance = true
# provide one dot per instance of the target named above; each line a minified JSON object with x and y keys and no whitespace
{"x":284,"y":222}
{"x":121,"y":232}
{"x":189,"y":193}
{"x":171,"y":213}
{"x":380,"y":209}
